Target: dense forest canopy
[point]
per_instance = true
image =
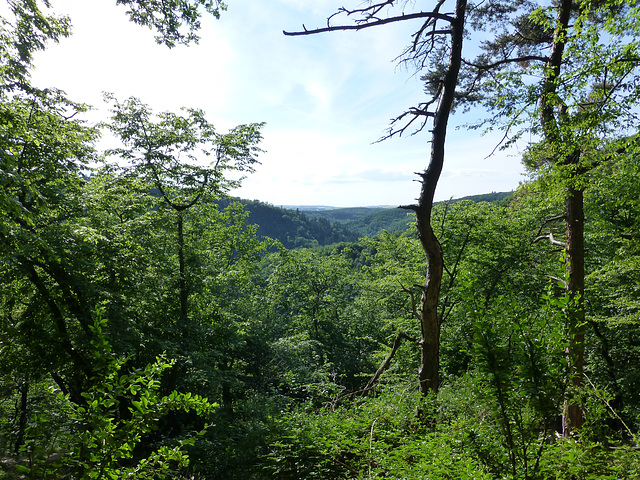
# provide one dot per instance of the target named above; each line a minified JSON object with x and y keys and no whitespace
{"x":152,"y":327}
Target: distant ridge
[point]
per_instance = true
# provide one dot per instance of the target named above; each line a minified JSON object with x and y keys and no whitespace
{"x":483,"y":197}
{"x":307,"y":226}
{"x":319,"y":208}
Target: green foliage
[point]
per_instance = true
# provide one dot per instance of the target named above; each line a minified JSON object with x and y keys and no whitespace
{"x":314,"y":332}
{"x":27,"y":25}
{"x":376,"y":438}
{"x":302,"y":228}
{"x":613,"y":299}
{"x":292,"y":228}
{"x":521,"y":368}
{"x":281,"y":340}
{"x":368,"y":221}
{"x":372,"y":221}
{"x":572,"y":80}
{"x":171,"y":18}
{"x":285,"y":340}
{"x":104,"y":432}
{"x":25,"y":30}
{"x":572,"y":459}
{"x":167,"y":148}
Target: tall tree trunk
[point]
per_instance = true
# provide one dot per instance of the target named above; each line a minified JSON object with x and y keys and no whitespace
{"x":429,"y":371}
{"x":552,"y":113}
{"x":572,"y":418}
{"x":428,"y":374}
{"x":184,"y":294}
{"x":434,"y":37}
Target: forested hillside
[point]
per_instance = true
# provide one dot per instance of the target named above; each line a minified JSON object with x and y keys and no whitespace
{"x":300,"y":227}
{"x":292,"y":228}
{"x":151,"y":328}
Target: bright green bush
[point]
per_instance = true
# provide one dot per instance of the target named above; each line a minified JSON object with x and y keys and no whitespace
{"x":105,"y":435}
{"x":377,"y":437}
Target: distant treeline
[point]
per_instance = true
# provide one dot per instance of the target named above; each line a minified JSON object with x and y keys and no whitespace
{"x":301,"y":228}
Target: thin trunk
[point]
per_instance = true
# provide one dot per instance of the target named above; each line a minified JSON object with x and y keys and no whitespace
{"x":572,"y":418}
{"x":22,"y":418}
{"x":184,"y":295}
{"x":605,"y":350}
{"x":76,"y":381}
{"x":385,"y":365}
{"x":428,"y":373}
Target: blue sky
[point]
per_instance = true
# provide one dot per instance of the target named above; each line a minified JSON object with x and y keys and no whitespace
{"x":325,"y":99}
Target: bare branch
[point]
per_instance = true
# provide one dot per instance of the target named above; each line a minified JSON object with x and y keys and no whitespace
{"x":409,"y":207}
{"x":396,"y":344}
{"x":505,"y":61}
{"x":367,"y":24}
{"x":368,"y":12}
{"x":414,"y":304}
{"x":419,"y":33}
{"x":606,"y":402}
{"x":551,"y":239}
{"x":446,"y":311}
{"x":558,"y":279}
{"x":555,"y":218}
{"x":416,"y":112}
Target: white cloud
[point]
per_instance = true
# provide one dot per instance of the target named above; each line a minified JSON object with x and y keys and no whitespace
{"x":325,"y":98}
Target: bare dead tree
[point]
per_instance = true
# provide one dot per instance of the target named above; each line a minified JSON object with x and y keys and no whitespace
{"x":439,"y":35}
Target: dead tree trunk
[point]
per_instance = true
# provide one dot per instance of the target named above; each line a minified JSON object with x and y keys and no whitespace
{"x":427,"y":41}
{"x":396,"y":345}
{"x":429,"y":371}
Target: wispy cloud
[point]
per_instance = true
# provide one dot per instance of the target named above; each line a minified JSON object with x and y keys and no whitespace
{"x":378,"y":176}
{"x":325,"y":98}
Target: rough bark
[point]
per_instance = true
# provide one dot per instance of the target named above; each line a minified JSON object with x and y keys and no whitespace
{"x":184,"y":294}
{"x":428,"y":373}
{"x":572,"y":418}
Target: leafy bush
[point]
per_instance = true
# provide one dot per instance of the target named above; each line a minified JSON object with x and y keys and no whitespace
{"x":377,"y":438}
{"x":105,"y":435}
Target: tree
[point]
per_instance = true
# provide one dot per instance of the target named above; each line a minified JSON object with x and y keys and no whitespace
{"x":439,"y":36}
{"x":175,"y":22}
{"x":570,"y":71}
{"x":43,"y":152}
{"x":23,"y":35}
{"x":167,"y":149}
{"x":103,"y":433}
{"x":611,"y":204}
{"x":311,"y":329}
{"x":71,"y":245}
